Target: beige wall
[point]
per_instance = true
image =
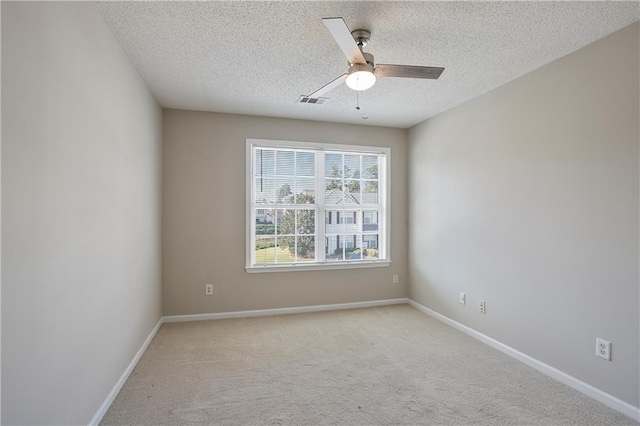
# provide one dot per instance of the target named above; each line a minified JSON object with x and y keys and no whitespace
{"x":204,"y":217}
{"x":527,"y":197}
{"x":81,"y":182}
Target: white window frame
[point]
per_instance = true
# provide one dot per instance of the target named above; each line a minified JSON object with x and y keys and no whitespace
{"x":384,"y":185}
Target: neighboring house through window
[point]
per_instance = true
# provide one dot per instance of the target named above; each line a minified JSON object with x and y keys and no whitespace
{"x":316,"y":205}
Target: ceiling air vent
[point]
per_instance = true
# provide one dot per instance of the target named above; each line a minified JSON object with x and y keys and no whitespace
{"x":309,"y":100}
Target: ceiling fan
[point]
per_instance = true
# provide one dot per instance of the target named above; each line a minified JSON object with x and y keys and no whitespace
{"x":363,"y":71}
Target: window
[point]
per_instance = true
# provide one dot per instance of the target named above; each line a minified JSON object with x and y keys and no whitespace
{"x":313,"y":206}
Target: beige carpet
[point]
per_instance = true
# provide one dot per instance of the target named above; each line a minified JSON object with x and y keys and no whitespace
{"x":387,"y":365}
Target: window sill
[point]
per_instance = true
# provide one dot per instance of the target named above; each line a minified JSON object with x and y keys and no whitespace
{"x":317,"y":266}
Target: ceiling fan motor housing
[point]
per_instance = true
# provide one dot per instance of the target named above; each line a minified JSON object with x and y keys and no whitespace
{"x":362,"y":67}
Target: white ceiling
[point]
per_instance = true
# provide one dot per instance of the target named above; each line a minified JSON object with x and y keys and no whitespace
{"x":257,"y":58}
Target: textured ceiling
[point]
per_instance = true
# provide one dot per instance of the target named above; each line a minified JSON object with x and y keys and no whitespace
{"x":257,"y":58}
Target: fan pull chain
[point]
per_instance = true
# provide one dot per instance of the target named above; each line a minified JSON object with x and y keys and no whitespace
{"x":364,"y":116}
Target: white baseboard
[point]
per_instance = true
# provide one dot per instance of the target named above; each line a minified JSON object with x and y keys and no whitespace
{"x":284,"y":311}
{"x":608,"y":400}
{"x":123,"y":378}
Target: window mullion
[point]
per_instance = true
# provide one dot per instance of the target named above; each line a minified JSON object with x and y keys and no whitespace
{"x":295,"y":234}
{"x":251,"y":181}
{"x":275,"y":207}
{"x":320,"y":208}
{"x":251,"y":238}
{"x":295,"y":211}
{"x":383,"y":219}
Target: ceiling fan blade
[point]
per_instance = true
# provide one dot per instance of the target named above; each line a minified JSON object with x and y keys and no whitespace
{"x":408,"y":71}
{"x":329,"y":86}
{"x":341,"y":33}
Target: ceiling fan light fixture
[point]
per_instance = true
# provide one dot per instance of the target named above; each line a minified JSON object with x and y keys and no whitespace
{"x":360,"y":76}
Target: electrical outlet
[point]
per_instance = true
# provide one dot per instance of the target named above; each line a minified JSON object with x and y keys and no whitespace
{"x":603,"y":349}
{"x":395,"y":279}
{"x":463,"y":298}
{"x":208,"y":289}
{"x":483,"y":308}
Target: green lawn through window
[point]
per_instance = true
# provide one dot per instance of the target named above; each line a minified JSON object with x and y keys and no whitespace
{"x":267,"y":255}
